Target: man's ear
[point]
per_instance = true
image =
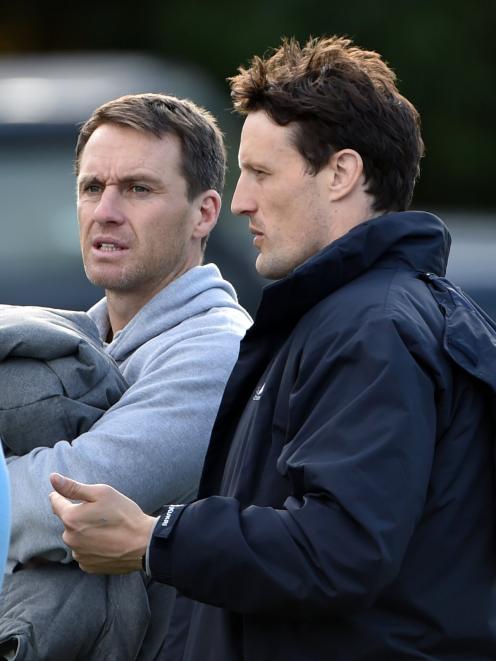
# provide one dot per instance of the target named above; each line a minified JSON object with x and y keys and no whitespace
{"x":209,"y":204}
{"x":346,"y":168}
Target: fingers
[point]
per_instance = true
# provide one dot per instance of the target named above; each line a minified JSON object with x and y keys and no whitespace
{"x":86,"y":563}
{"x":97,"y":564}
{"x":72,"y":489}
{"x":59,"y":504}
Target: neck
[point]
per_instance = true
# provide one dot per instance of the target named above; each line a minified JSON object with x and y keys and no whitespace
{"x":346,"y":217}
{"x":123,"y":305}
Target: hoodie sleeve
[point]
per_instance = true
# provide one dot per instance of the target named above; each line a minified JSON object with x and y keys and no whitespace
{"x":362,"y":423}
{"x":150,"y":445}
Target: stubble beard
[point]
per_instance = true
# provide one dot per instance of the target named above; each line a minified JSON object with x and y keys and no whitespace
{"x":126,"y":280}
{"x":271,"y":267}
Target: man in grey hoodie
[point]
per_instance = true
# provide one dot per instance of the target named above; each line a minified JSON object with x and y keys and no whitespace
{"x":150,"y":172}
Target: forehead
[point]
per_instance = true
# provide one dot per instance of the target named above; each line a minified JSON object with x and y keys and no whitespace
{"x":122,"y":147}
{"x":263,"y":139}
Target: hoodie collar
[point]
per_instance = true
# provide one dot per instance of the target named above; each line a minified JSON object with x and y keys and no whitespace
{"x":195,"y":292}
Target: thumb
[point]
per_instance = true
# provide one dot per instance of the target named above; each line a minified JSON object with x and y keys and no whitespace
{"x":72,"y":489}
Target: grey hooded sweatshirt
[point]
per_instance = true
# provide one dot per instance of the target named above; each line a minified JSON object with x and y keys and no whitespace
{"x":176,"y":354}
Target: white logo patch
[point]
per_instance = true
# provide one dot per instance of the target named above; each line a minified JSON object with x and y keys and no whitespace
{"x":168,"y":515}
{"x":258,"y":393}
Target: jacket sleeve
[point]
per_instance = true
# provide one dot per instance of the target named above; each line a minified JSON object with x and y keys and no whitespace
{"x":150,"y":445}
{"x":361,"y":438}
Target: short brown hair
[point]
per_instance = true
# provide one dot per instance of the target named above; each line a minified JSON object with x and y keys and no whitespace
{"x":339,"y":96}
{"x":203,"y":151}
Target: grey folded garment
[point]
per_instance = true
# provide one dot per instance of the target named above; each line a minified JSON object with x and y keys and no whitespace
{"x":56,"y":378}
{"x":56,"y":612}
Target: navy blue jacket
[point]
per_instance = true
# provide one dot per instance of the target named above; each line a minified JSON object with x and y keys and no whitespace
{"x":347,"y":505}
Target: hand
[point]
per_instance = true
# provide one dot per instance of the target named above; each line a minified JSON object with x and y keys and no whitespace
{"x":107,"y":532}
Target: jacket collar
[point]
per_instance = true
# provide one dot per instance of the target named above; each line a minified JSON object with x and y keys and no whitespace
{"x":413,"y":240}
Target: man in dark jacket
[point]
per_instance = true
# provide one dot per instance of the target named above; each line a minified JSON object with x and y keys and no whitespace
{"x":346,"y":509}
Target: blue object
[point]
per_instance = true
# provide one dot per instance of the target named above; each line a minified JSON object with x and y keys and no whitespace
{"x":4,"y":514}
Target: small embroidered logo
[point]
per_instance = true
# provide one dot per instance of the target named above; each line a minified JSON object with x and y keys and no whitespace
{"x":168,"y":515}
{"x":258,"y":393}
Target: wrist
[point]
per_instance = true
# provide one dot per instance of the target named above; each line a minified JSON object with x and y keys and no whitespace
{"x":144,"y":557}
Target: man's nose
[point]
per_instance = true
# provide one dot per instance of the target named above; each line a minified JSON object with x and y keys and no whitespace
{"x":110,"y":207}
{"x":243,"y":202}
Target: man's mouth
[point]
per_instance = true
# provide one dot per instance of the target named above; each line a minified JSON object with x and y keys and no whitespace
{"x":108,"y":247}
{"x":258,"y":236}
{"x":255,"y":231}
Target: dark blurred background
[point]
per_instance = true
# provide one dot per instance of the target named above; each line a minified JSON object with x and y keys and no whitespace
{"x":58,"y":61}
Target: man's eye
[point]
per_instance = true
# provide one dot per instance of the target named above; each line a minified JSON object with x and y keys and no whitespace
{"x":136,"y":188}
{"x":92,"y":188}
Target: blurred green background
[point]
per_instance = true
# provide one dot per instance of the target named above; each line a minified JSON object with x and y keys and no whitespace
{"x":444,"y":54}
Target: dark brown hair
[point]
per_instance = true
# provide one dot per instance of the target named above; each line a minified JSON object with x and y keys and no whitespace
{"x":203,"y":152}
{"x":339,"y":96}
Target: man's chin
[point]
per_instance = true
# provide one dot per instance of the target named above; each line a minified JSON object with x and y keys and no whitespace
{"x":270,"y":269}
{"x":107,"y":282}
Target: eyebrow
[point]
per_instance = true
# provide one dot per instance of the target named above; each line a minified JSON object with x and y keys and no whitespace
{"x":253,"y":165}
{"x":134,"y":177}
